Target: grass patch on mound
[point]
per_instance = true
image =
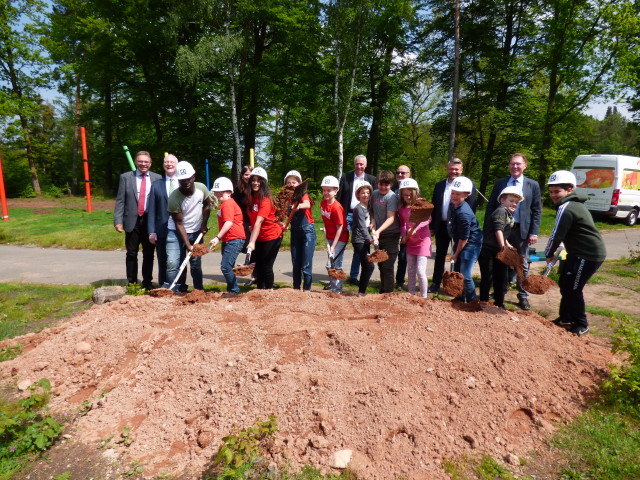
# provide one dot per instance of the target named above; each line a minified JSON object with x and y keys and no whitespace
{"x":30,"y":308}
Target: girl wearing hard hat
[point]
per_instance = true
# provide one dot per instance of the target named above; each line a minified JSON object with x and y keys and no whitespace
{"x":266,"y":232}
{"x":585,"y":249}
{"x":464,"y":229}
{"x":303,"y":236}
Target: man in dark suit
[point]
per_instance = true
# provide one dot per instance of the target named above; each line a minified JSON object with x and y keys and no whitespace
{"x":158,"y":217}
{"x":441,"y":199}
{"x":130,"y":216}
{"x":346,"y":197}
{"x":527,"y":216}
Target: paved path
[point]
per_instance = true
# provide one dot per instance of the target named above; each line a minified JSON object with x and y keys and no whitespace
{"x":83,"y":267}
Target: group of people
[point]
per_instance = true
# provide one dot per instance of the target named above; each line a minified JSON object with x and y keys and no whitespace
{"x":170,"y":214}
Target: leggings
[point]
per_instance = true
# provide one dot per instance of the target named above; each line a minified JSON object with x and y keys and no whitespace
{"x":264,"y":257}
{"x":417,"y":266}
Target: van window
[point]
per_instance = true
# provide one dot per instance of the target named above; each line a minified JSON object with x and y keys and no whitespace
{"x":630,"y":179}
{"x":594,"y":177}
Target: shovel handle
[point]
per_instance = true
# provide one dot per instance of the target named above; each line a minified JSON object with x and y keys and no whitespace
{"x":293,"y":211}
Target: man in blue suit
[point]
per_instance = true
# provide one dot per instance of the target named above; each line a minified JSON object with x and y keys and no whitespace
{"x":527,"y":216}
{"x":158,"y":217}
{"x":130,"y":216}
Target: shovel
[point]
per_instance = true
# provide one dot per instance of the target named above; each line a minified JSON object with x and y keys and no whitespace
{"x":296,"y":198}
{"x":174,"y":286}
{"x":378,"y":255}
{"x":333,"y":272}
{"x":247,"y":268}
{"x":453,"y":282}
{"x":540,"y":284}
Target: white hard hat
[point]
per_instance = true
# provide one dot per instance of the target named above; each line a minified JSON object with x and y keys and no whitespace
{"x":362,"y":184}
{"x":512,"y":190}
{"x":562,"y":177}
{"x":330,"y":181}
{"x":222,"y":184}
{"x":293,"y":173}
{"x":260,"y":172}
{"x":462,"y":184}
{"x":184,"y":170}
{"x":409,"y":183}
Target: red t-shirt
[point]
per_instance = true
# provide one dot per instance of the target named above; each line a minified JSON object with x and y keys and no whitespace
{"x":333,"y":216}
{"x":230,"y":211}
{"x":270,"y":229}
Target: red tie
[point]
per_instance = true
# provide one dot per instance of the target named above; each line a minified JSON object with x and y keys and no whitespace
{"x":142,"y":195}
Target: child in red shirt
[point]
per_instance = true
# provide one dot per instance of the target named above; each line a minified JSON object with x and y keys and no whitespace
{"x":335,"y":227}
{"x":266,"y":232}
{"x":230,"y":231}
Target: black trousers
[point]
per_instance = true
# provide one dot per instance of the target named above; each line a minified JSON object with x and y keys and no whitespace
{"x":443,"y":243}
{"x":132,"y":241}
{"x":522,"y":245}
{"x":492,"y":272}
{"x":575,"y":272}
{"x":265,"y":256}
{"x":401,"y":271}
{"x":366,"y":270}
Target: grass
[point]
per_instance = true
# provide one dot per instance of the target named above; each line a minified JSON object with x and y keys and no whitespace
{"x":30,"y":308}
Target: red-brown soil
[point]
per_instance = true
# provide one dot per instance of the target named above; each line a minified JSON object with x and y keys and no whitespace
{"x":378,"y":256}
{"x":338,"y":274}
{"x":402,"y":381}
{"x":199,"y":249}
{"x":537,"y":284}
{"x":510,"y":256}
{"x":453,"y":283}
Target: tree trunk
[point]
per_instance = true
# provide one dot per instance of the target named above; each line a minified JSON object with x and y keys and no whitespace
{"x":76,"y":140}
{"x":108,"y":140}
{"x":456,"y":82}
{"x":378,"y":102}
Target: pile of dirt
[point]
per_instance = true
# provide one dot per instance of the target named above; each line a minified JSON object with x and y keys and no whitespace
{"x":401,"y":381}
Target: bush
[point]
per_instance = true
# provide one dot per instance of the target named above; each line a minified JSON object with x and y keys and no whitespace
{"x":624,"y":382}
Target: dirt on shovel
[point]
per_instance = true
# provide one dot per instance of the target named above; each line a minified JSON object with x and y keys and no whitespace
{"x":510,"y":257}
{"x":160,"y":292}
{"x":537,"y":284}
{"x":453,"y":283}
{"x":337,"y":274}
{"x":243,"y":270}
{"x":199,"y":250}
{"x":378,"y":256}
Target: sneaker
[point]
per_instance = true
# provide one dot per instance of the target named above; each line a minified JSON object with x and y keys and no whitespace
{"x":562,"y":323}
{"x":250,"y":282}
{"x":524,"y":304}
{"x":361,"y":294}
{"x":400,"y":286}
{"x":327,"y":287}
{"x":580,"y":331}
{"x":433,"y":288}
{"x":353,"y":281}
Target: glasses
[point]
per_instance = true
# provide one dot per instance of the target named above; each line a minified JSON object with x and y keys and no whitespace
{"x":402,"y":173}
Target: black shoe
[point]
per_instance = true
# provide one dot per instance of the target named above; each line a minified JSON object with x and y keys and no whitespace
{"x":327,"y":287}
{"x":579,"y":331}
{"x":250,"y":282}
{"x":562,"y":323}
{"x":524,"y":304}
{"x":433,"y":288}
{"x":459,"y":299}
{"x":400,"y":286}
{"x":353,"y":281}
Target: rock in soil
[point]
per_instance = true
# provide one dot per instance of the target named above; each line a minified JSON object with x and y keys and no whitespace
{"x":402,"y":394}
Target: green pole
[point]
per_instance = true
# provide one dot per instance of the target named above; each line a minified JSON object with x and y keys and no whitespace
{"x":128,"y":154}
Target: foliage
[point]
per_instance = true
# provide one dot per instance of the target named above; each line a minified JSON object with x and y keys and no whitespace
{"x":135,"y":290}
{"x":25,"y":428}
{"x":10,"y":352}
{"x":240,"y":450}
{"x":623,"y":384}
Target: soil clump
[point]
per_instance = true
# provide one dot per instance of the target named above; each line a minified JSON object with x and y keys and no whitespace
{"x":403,"y":382}
{"x":453,"y":283}
{"x":537,"y":284}
{"x":338,"y":274}
{"x":378,"y":256}
{"x":199,"y":249}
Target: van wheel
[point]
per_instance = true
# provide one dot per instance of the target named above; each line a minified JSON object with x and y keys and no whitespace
{"x":632,"y":218}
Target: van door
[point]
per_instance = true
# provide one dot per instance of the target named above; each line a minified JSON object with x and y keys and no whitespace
{"x":597,"y":183}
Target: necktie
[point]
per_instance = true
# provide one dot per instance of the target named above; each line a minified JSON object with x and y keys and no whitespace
{"x":172,"y":187}
{"x":516,"y":214}
{"x":142,"y":195}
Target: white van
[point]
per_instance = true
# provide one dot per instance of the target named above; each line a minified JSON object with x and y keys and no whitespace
{"x":611,"y":184}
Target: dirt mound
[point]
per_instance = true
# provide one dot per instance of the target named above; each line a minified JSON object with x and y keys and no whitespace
{"x":402,"y":381}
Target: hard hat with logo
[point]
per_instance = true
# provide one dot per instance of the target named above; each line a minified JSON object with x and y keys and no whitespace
{"x":222,"y":184}
{"x":293,"y":173}
{"x":362,"y":184}
{"x":184,"y":170}
{"x":330,"y":181}
{"x":260,"y":172}
{"x":562,"y":177}
{"x":409,"y":183}
{"x":462,"y":184}
{"x":512,"y":190}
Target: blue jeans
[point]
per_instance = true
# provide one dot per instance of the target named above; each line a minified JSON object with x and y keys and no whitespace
{"x":303,"y":246}
{"x":230,"y":252}
{"x":468,"y":258}
{"x":355,"y":263}
{"x":175,"y":246}
{"x":336,"y":285}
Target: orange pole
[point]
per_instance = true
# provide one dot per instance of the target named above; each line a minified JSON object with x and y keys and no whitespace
{"x":3,"y":195}
{"x":85,"y":161}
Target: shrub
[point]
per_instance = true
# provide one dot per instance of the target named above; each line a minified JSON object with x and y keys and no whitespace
{"x":623,"y":384}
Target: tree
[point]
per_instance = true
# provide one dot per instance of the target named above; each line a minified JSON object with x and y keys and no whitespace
{"x":23,"y":70}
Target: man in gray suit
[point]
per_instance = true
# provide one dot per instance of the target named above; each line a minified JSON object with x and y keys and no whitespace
{"x":527,"y":216}
{"x":130,"y":216}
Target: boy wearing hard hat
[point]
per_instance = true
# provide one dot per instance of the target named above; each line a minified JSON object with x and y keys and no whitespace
{"x":585,"y":249}
{"x":230,"y":231}
{"x":335,"y":227}
{"x":464,"y":229}
{"x":495,"y":234}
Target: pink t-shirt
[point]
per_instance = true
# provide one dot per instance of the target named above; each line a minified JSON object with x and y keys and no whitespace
{"x":420,"y":242}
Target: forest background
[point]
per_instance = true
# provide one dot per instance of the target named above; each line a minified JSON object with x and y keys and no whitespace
{"x":310,"y":84}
